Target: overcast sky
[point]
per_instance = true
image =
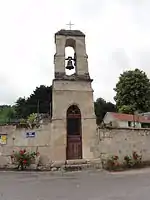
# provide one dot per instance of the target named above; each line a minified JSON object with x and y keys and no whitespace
{"x":117,"y":37}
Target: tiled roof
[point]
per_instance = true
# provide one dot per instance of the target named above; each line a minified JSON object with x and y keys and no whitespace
{"x":131,"y":118}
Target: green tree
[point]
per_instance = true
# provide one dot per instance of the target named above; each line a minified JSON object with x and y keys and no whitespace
{"x":127,"y":109}
{"x":21,"y":108}
{"x":39,"y":101}
{"x":133,"y":92}
{"x":101,"y":108}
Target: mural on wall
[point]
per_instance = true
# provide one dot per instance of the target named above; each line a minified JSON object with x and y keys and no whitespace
{"x":3,"y":139}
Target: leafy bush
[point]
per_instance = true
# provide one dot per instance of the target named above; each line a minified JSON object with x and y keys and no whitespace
{"x":112,"y":163}
{"x":32,"y":120}
{"x":23,"y":158}
{"x":133,"y":161}
{"x":128,"y":161}
{"x":137,"y":158}
{"x":22,"y":123}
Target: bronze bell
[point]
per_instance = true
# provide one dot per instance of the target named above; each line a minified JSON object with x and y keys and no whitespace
{"x":69,"y":63}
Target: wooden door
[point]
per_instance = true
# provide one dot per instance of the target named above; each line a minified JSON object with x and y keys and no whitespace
{"x":74,"y":136}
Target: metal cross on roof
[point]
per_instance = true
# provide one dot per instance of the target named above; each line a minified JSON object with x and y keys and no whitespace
{"x":70,"y":25}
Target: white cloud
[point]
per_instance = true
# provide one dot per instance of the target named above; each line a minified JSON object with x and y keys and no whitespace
{"x":117,"y":36}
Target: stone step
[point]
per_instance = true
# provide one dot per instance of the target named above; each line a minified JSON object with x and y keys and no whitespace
{"x":76,"y":167}
{"x":72,"y":165}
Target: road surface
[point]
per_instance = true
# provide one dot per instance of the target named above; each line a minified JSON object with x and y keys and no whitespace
{"x":131,"y":185}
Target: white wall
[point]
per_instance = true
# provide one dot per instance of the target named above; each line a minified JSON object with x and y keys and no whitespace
{"x":119,"y":123}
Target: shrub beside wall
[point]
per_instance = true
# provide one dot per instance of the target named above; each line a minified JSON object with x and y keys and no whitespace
{"x":130,"y":161}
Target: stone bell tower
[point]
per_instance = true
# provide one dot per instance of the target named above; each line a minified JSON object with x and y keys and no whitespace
{"x":73,"y":117}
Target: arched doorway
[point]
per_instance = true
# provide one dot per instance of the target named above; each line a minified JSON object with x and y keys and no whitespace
{"x":74,"y":133}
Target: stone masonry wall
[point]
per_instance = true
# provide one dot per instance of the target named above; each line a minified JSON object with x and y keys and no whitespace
{"x":122,"y":142}
{"x":16,"y":140}
{"x":106,"y":142}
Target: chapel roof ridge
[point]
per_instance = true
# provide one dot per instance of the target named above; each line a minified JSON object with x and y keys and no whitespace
{"x":70,"y":33}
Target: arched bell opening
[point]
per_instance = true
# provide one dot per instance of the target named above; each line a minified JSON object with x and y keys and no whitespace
{"x":74,"y":133}
{"x":70,"y":57}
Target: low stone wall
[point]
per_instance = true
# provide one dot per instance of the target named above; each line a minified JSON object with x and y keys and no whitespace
{"x":16,"y":139}
{"x":122,"y":142}
{"x":106,"y":142}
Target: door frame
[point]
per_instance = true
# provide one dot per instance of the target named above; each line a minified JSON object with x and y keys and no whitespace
{"x":74,"y":112}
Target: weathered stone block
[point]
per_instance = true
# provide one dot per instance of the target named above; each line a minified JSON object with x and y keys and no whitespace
{"x":43,"y":160}
{"x":33,"y":166}
{"x":58,"y":164}
{"x":54,"y":169}
{"x":76,"y":162}
{"x":3,"y":161}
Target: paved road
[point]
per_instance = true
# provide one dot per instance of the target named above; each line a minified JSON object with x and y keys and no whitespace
{"x":134,"y":185}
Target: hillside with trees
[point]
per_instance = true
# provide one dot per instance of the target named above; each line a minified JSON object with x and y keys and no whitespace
{"x":132,"y":95}
{"x":38,"y":102}
{"x":7,"y":113}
